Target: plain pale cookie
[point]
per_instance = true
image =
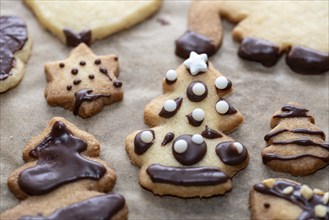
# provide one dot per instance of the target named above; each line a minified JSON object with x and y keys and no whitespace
{"x":265,"y":31}
{"x":63,"y":178}
{"x":15,"y":48}
{"x":84,"y":82}
{"x":295,"y":144}
{"x":186,"y":153}
{"x":87,"y":21}
{"x":286,"y":199}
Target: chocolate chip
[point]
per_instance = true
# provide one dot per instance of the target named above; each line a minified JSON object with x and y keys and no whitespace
{"x":82,"y":63}
{"x":103,"y":70}
{"x":116,"y":58}
{"x":91,"y":76}
{"x":117,"y":83}
{"x":61,"y":65}
{"x":76,"y":81}
{"x":74,"y":71}
{"x":267,"y":205}
{"x":98,"y":61}
{"x":69,"y":87}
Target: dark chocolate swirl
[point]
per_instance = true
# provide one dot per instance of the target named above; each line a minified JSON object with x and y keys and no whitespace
{"x":229,"y":154}
{"x":166,"y":114}
{"x":74,"y":39}
{"x":140,"y":146}
{"x":193,"y":97}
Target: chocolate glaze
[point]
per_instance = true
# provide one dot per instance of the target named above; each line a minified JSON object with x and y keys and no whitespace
{"x":303,"y":142}
{"x":192,"y":41}
{"x":296,"y":198}
{"x":186,"y":176}
{"x":268,"y":157}
{"x":210,"y":133}
{"x":192,"y":121}
{"x":74,"y":39}
{"x":228,"y":153}
{"x":231,"y":109}
{"x":166,"y":114}
{"x":141,"y":147}
{"x":85,"y":95}
{"x":195,"y":98}
{"x":168,"y":138}
{"x":297,"y":130}
{"x":229,"y":85}
{"x":13,"y":36}
{"x":193,"y":154}
{"x":59,"y":162}
{"x":170,"y":82}
{"x":290,"y":111}
{"x":258,"y":50}
{"x":117,"y":83}
{"x":307,"y":61}
{"x":102,"y":207}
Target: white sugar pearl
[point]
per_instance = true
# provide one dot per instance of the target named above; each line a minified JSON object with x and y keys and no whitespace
{"x":198,"y":114}
{"x":222,"y":107}
{"x":221,"y":82}
{"x":171,"y":75}
{"x":198,"y":139}
{"x":147,"y":137}
{"x":170,"y":105}
{"x":198,"y":89}
{"x":238,"y":147}
{"x":180,"y":146}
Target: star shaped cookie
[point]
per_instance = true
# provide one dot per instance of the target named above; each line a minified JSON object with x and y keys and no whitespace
{"x":84,"y":82}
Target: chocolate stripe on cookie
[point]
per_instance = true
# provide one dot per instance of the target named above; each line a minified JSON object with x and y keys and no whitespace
{"x":302,"y":142}
{"x":290,"y":111}
{"x":268,"y":157}
{"x":297,"y":130}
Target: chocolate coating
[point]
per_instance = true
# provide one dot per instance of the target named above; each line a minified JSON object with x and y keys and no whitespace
{"x":192,"y":121}
{"x":297,"y":130}
{"x":165,"y":114}
{"x":296,"y":198}
{"x":210,"y":133}
{"x":307,"y":61}
{"x":74,"y":39}
{"x":168,"y":138}
{"x":229,"y":86}
{"x":231,"y":109}
{"x":195,"y":98}
{"x":290,"y":111}
{"x":102,"y":207}
{"x":259,"y":50}
{"x":85,"y":95}
{"x":303,"y":142}
{"x":139,"y":146}
{"x":170,"y":82}
{"x":194,"y":153}
{"x":268,"y":157}
{"x":13,"y":36}
{"x":59,"y":162}
{"x":192,"y":41}
{"x":228,"y":153}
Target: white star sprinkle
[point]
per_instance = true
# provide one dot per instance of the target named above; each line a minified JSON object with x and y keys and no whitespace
{"x":196,"y":63}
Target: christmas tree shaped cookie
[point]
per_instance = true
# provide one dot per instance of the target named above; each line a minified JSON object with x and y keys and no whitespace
{"x":186,"y":152}
{"x":295,"y":144}
{"x":63,"y":178}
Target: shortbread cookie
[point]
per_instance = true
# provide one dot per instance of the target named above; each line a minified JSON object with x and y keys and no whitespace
{"x":186,"y":153}
{"x":84,"y":82}
{"x":87,"y":21}
{"x":15,"y":48}
{"x":265,"y":31}
{"x":286,"y":199}
{"x":63,"y":178}
{"x":295,"y":144}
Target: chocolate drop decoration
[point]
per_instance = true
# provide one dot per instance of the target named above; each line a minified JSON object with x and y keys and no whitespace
{"x":192,"y":41}
{"x":269,"y":157}
{"x":77,"y":81}
{"x":307,"y":61}
{"x":104,"y":71}
{"x":302,"y":142}
{"x":102,"y":207}
{"x":195,"y":98}
{"x":168,"y":138}
{"x":296,"y":198}
{"x":193,"y":122}
{"x":210,"y":133}
{"x":228,"y":153}
{"x":186,"y":176}
{"x":165,"y":114}
{"x":74,"y":39}
{"x":59,"y":162}
{"x":13,"y":36}
{"x":231,"y":109}
{"x":194,"y":153}
{"x":85,"y":95}
{"x":297,"y":130}
{"x":141,"y":147}
{"x":117,"y":83}
{"x":259,"y":50}
{"x":290,"y":111}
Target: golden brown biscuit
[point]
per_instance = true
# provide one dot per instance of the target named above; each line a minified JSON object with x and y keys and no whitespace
{"x":295,"y":144}
{"x":186,"y":153}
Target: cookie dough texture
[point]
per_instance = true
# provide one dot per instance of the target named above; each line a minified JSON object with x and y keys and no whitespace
{"x":76,"y":189}
{"x":87,"y":21}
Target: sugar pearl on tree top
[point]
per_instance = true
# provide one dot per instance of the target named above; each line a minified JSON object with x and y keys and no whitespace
{"x":221,"y":82}
{"x":238,"y":147}
{"x":222,"y":107}
{"x":197,"y":138}
{"x":198,"y":89}
{"x":171,"y":75}
{"x":180,"y":146}
{"x":170,"y":105}
{"x":198,"y":114}
{"x":147,"y":137}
